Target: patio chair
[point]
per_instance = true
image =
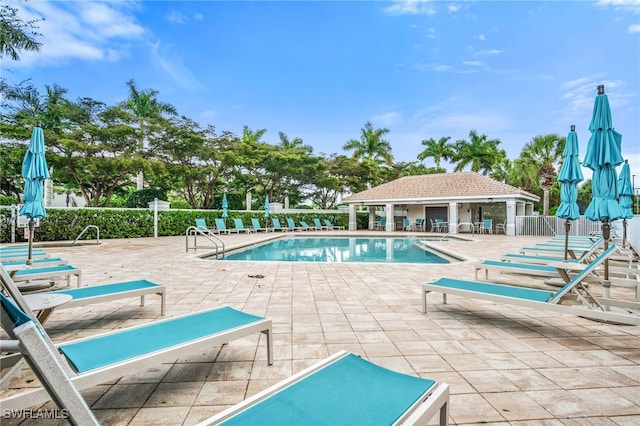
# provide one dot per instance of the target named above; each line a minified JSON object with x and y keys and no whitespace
{"x":319,"y":225}
{"x":221,"y":226}
{"x":588,"y":305}
{"x":305,"y":226}
{"x":277,"y":226}
{"x":501,"y":227}
{"x":292,"y":225}
{"x":201,"y":224}
{"x":406,"y":224}
{"x":487,"y":226}
{"x":47,"y":273}
{"x":98,"y":359}
{"x":420,"y":224}
{"x":343,"y":389}
{"x":240,"y":226}
{"x":257,"y":227}
{"x":332,"y":226}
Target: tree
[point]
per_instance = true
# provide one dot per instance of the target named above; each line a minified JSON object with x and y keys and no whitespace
{"x":335,"y":176}
{"x":146,"y":108}
{"x":479,"y":152}
{"x":438,"y":150}
{"x":16,"y":34}
{"x":541,"y":156}
{"x":372,"y":149}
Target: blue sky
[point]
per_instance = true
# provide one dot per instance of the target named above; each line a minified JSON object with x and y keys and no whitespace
{"x":319,"y":70}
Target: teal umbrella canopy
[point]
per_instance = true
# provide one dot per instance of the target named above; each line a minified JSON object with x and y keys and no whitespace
{"x":225,"y":206}
{"x":570,"y":175}
{"x":266,"y":206}
{"x":625,"y":191}
{"x":603,"y":155}
{"x":34,"y":172}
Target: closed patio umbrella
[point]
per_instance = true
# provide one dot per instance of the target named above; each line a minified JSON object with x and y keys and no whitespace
{"x":266,"y":206}
{"x":570,"y":175}
{"x":34,"y":172}
{"x":603,"y":155}
{"x":625,"y":197}
{"x":225,"y":205}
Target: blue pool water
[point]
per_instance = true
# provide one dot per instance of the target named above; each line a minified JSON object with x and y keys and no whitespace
{"x":354,"y":249}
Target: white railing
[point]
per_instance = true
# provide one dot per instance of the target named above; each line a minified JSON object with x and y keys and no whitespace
{"x":552,"y":225}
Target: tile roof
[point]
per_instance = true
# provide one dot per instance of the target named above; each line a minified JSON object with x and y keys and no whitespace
{"x":441,"y":186}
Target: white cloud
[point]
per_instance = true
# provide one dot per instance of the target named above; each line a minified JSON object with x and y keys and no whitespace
{"x":431,"y":33}
{"x":80,"y":30}
{"x":453,"y":8}
{"x":489,"y":52}
{"x":411,"y":7}
{"x":481,"y":37}
{"x":172,"y":64}
{"x":177,"y":18}
{"x":635,"y":28}
{"x":387,"y":119}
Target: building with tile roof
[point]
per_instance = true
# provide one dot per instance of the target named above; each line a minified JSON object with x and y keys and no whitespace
{"x":464,"y":199}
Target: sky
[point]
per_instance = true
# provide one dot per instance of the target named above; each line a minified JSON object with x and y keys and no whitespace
{"x":319,"y":70}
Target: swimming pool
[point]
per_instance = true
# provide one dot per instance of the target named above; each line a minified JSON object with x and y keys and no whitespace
{"x":340,"y":249}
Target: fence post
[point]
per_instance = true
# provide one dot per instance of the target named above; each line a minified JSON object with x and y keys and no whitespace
{"x":155,"y":218}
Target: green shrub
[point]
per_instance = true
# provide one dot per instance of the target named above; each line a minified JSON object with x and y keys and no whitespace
{"x":5,"y":200}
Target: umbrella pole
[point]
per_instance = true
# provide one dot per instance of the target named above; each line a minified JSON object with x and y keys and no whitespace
{"x":567,"y":228}
{"x":624,"y":232}
{"x":606,"y":284}
{"x":32,"y":226}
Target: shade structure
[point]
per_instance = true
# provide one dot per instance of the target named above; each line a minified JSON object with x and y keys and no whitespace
{"x":603,"y":154}
{"x":570,"y":175}
{"x":34,"y":172}
{"x":266,"y":206}
{"x":625,"y":197}
{"x":225,"y":206}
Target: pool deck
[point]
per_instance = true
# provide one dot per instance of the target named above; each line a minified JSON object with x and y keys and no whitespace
{"x":506,"y":365}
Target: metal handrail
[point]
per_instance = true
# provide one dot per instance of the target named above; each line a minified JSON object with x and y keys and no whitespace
{"x":457,"y":225}
{"x":195,"y":231}
{"x":86,"y":228}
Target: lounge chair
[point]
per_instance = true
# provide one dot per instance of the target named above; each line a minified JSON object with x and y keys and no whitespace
{"x":257,"y":227}
{"x":92,"y":294}
{"x":277,"y":226}
{"x":47,"y":273}
{"x":240,"y":226}
{"x":21,"y":264}
{"x":102,"y":358}
{"x":343,"y":389}
{"x":15,"y":255}
{"x":549,"y":269}
{"x":319,"y":225}
{"x":305,"y":226}
{"x":221,"y":226}
{"x":201,"y":224}
{"x":589,"y":306}
{"x":292,"y":225}
{"x":332,"y":226}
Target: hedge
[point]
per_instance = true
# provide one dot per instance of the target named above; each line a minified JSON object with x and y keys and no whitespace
{"x":67,"y":224}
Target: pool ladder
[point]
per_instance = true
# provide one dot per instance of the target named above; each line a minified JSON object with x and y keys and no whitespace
{"x":217,"y":243}
{"x":86,"y":228}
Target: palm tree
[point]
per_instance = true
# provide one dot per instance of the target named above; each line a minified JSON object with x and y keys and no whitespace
{"x":438,"y":150}
{"x":543,"y":153}
{"x":480,"y":152}
{"x":146,"y":108}
{"x":371,"y":148}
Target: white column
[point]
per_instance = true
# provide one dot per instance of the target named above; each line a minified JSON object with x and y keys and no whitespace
{"x":372,"y":217}
{"x":248,"y":200}
{"x":391,"y":223}
{"x":453,"y":218}
{"x":511,"y":218}
{"x":353,"y":223}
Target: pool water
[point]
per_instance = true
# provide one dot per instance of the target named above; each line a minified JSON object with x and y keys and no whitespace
{"x":353,"y":249}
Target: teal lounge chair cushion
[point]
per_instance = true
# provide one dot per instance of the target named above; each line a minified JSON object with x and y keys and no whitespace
{"x":496,"y":289}
{"x":115,"y":347}
{"x":50,"y":269}
{"x":350,"y":391}
{"x":100,"y":290}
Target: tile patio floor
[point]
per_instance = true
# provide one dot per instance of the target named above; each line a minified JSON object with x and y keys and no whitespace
{"x":506,"y":365}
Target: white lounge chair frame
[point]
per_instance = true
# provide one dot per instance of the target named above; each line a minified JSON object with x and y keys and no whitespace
{"x":137,"y":363}
{"x":432,"y":402}
{"x":589,"y":306}
{"x":47,"y":273}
